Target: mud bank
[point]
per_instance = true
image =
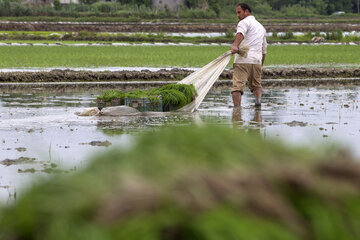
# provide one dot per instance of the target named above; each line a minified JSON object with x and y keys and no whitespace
{"x":140,"y":40}
{"x":165,"y":27}
{"x":94,"y":87}
{"x":116,"y":38}
{"x":165,"y":74}
{"x":113,"y":27}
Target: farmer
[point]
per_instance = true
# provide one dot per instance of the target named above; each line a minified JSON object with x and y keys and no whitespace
{"x":249,"y":32}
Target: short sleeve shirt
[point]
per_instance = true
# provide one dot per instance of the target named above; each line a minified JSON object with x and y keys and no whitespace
{"x":254,"y":37}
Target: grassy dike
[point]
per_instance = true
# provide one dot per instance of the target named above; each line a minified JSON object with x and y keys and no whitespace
{"x":166,"y":56}
{"x":84,"y":36}
{"x":174,"y":184}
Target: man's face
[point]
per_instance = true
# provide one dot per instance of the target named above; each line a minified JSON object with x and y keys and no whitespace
{"x":241,"y":14}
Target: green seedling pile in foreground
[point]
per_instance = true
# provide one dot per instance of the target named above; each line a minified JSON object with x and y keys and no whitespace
{"x":195,"y":183}
{"x":166,"y":56}
{"x":174,"y":96}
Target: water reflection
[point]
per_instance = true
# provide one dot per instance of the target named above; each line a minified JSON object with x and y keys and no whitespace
{"x":257,"y":115}
{"x":41,"y":100}
{"x":254,"y":124}
{"x":236,"y":115}
{"x":134,"y":124}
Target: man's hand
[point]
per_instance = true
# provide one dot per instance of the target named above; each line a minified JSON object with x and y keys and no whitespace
{"x":234,"y":49}
{"x":235,"y":46}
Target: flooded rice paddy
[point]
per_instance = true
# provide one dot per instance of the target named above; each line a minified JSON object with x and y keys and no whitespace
{"x":40,"y":134}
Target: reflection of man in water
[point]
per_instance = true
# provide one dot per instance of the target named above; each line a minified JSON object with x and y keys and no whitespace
{"x":249,"y":32}
{"x":238,"y":121}
{"x":237,"y":116}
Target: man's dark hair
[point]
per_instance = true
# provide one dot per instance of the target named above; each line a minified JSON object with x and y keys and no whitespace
{"x":244,"y":6}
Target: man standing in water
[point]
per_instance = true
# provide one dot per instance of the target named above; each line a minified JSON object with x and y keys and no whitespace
{"x":249,"y":32}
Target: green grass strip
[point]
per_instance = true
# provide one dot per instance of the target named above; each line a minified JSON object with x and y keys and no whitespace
{"x":92,"y":37}
{"x":313,"y":54}
{"x":165,"y":56}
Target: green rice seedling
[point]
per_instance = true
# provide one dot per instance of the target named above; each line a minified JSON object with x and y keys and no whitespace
{"x":288,"y":35}
{"x":351,"y":38}
{"x":111,"y":94}
{"x":93,"y":56}
{"x":188,"y":90}
{"x":137,"y":94}
{"x":151,"y":37}
{"x":174,"y":96}
{"x":229,"y":33}
{"x":166,"y":56}
{"x":325,"y":55}
{"x":173,"y":99}
{"x":110,"y":98}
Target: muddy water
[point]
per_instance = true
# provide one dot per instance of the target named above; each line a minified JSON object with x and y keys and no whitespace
{"x":40,"y":134}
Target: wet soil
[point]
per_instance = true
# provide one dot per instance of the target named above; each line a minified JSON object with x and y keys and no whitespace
{"x":169,"y":75}
{"x":46,"y":170}
{"x":107,"y":40}
{"x":296,"y":123}
{"x":167,"y":27}
{"x":98,"y":143}
{"x":115,"y":38}
{"x":20,"y":160}
{"x":20,"y":149}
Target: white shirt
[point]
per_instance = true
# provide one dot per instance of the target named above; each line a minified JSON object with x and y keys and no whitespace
{"x":254,"y":37}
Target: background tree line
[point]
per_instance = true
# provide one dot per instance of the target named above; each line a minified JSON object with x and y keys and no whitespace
{"x":322,"y":7}
{"x":205,"y":9}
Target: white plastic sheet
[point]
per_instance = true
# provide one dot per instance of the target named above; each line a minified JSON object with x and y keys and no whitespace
{"x":204,"y":78}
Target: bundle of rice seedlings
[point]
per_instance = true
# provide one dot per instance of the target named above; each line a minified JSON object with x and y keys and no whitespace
{"x":174,"y":96}
{"x":188,"y":90}
{"x":243,"y":50}
{"x":173,"y":99}
{"x":108,"y":95}
{"x":137,"y":94}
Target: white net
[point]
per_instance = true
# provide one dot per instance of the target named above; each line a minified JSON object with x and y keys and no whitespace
{"x":204,"y":78}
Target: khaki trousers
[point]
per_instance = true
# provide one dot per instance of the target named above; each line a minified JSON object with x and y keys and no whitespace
{"x":246,"y":72}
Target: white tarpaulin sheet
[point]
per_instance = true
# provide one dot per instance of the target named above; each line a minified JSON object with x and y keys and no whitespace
{"x":204,"y":78}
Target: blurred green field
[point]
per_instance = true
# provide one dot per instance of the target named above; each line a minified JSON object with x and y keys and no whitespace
{"x":174,"y":184}
{"x":166,"y":56}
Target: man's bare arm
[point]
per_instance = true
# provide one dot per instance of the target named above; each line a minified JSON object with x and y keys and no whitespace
{"x":238,"y":39}
{"x":263,"y":59}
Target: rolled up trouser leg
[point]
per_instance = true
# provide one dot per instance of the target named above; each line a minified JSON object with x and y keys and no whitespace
{"x":255,"y":77}
{"x":240,"y":76}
